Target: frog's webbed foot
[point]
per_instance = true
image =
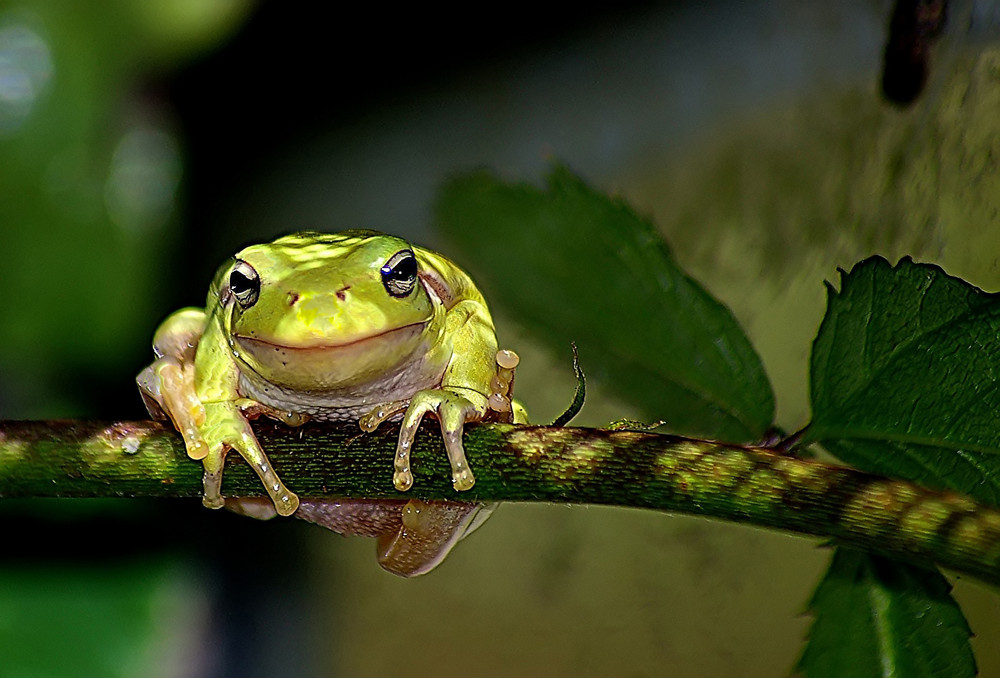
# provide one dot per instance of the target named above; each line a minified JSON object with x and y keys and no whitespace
{"x":452,"y":411}
{"x":413,"y":537}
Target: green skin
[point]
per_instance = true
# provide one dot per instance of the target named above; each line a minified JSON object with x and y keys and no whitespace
{"x":352,"y":326}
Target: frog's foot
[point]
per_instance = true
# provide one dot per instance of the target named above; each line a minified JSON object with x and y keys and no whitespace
{"x":452,"y":410}
{"x":225,"y":429}
{"x":167,"y":385}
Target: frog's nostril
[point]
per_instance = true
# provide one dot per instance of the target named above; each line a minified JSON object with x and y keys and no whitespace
{"x":293,"y":297}
{"x":342,"y":292}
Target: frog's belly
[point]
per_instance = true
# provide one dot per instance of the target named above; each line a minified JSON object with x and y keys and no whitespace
{"x":344,"y":404}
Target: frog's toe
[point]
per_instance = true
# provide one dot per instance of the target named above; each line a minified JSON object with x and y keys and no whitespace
{"x":453,"y":416}
{"x":196,"y":447}
{"x":402,"y":480}
{"x":370,"y":421}
{"x":213,"y":502}
{"x":286,"y":503}
{"x":463,"y":479}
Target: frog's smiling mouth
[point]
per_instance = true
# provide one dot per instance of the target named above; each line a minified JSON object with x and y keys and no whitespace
{"x":257,"y":345}
{"x":326,"y":366}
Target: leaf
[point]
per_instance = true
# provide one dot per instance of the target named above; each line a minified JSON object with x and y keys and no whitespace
{"x":877,"y":617}
{"x":905,"y":372}
{"x":575,"y":265}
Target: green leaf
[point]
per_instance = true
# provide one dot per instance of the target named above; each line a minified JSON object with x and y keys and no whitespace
{"x":877,"y":617}
{"x":905,"y":372}
{"x":574,"y":265}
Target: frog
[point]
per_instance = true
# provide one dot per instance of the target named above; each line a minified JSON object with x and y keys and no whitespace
{"x":351,"y":326}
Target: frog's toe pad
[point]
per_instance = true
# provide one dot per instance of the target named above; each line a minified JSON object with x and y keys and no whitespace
{"x":402,"y":480}
{"x":213,"y":502}
{"x":286,"y":504}
{"x":463,"y":480}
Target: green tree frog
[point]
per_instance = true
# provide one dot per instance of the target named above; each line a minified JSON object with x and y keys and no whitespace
{"x":349,"y":326}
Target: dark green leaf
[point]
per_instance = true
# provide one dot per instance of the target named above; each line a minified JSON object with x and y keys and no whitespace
{"x":575,"y":265}
{"x":905,"y":370}
{"x":877,"y":617}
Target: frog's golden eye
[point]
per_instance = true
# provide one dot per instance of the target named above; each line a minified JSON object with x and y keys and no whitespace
{"x":399,"y":274}
{"x":244,"y":284}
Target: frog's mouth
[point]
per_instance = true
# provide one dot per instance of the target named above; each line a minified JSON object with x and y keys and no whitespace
{"x":325,"y":365}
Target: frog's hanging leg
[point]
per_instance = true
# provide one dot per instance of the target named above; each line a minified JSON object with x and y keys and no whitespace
{"x":413,"y":536}
{"x":428,"y":532}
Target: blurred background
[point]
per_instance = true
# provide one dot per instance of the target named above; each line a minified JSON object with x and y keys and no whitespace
{"x":143,"y":143}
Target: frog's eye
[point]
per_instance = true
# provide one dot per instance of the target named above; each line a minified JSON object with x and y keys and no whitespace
{"x":399,"y":275}
{"x":244,"y":284}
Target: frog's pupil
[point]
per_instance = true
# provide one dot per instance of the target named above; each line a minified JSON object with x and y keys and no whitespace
{"x":405,"y":269}
{"x":239,"y":283}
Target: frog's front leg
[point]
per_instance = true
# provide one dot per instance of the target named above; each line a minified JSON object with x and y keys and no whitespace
{"x":453,"y":405}
{"x":226,"y":428}
{"x":452,"y":411}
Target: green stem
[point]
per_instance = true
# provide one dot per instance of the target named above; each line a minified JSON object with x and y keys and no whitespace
{"x":527,"y":463}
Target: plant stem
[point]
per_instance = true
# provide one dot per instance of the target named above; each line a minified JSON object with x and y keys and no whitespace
{"x":526,"y":463}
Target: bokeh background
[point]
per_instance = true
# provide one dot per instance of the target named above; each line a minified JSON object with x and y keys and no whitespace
{"x":141,"y":143}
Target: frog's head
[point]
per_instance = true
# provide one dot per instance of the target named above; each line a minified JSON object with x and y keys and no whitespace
{"x":318,"y":311}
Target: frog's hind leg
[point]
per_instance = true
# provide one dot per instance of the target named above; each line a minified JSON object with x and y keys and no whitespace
{"x":428,"y":532}
{"x":413,"y":537}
